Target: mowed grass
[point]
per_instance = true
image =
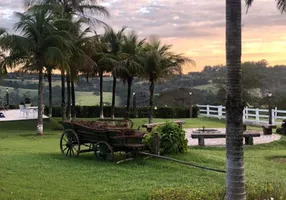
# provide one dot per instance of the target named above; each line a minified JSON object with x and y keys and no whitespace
{"x":82,"y":98}
{"x":207,"y":87}
{"x":32,"y":167}
{"x":89,"y":99}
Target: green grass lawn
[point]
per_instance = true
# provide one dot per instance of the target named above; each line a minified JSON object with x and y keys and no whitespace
{"x":89,"y":99}
{"x":32,"y":167}
{"x":82,"y":98}
{"x":208,"y":87}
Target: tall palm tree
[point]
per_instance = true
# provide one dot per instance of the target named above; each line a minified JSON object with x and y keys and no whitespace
{"x":235,"y":184}
{"x":80,"y":60}
{"x":67,"y":9}
{"x":39,"y":41}
{"x":159,"y":64}
{"x":114,"y":41}
{"x":49,"y":76}
{"x":104,"y":60}
{"x":131,"y":47}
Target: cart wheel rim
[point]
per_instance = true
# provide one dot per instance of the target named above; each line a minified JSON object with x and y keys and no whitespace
{"x":69,"y":144}
{"x":103,"y":151}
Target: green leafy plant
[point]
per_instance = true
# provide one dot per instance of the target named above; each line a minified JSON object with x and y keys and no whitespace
{"x":172,"y":139}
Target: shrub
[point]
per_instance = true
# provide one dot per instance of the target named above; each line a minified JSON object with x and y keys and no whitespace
{"x":142,"y":112}
{"x":281,"y":131}
{"x":172,"y":139}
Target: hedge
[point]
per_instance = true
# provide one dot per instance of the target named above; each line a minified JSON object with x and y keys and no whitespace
{"x":141,"y":112}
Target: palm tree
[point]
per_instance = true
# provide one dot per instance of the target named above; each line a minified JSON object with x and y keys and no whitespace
{"x":131,"y":47}
{"x":67,"y":9}
{"x":159,"y":64}
{"x":49,"y":76}
{"x":235,"y":184}
{"x":104,"y":61}
{"x":80,"y":60}
{"x":114,"y":41}
{"x":39,"y":42}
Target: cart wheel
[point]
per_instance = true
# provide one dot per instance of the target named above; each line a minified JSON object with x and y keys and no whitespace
{"x":69,"y":144}
{"x":103,"y":151}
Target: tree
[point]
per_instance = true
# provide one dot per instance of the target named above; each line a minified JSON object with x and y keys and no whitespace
{"x":235,"y":184}
{"x":114,"y":42}
{"x":49,"y":75}
{"x":80,"y":60}
{"x":159,"y":64}
{"x":67,"y":9}
{"x":40,"y":42}
{"x":131,"y":47}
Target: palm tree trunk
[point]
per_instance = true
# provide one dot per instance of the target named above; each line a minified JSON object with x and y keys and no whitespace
{"x":151,"y":102}
{"x":73,"y":109}
{"x":113,"y":98}
{"x":129,"y":84}
{"x":50,"y":94}
{"x":101,"y":94}
{"x":235,"y":184}
{"x":63,"y":95}
{"x":68,"y":97}
{"x":87,"y":77}
{"x":40,"y":103}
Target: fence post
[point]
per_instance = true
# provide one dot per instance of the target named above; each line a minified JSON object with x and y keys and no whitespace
{"x":273,"y":116}
{"x":208,"y":110}
{"x":243,"y":118}
{"x":257,"y":115}
{"x":220,"y":112}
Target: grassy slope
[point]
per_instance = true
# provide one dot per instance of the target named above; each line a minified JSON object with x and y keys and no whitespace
{"x":32,"y":167}
{"x":82,"y":98}
{"x":208,"y":87}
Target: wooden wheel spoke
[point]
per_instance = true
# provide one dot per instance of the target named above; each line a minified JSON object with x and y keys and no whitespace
{"x":65,"y":139}
{"x":67,"y":152}
{"x":65,"y":149}
{"x":74,"y":148}
{"x":72,"y":151}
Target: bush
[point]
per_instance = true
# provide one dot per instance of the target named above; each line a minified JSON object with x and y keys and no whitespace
{"x":281,"y":131}
{"x":254,"y":191}
{"x":142,"y":112}
{"x":172,"y":139}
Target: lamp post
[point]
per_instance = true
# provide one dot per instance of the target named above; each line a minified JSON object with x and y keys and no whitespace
{"x":134,"y":100}
{"x":269,"y":107}
{"x":191,"y":106}
{"x":134,"y":104}
{"x":7,"y":97}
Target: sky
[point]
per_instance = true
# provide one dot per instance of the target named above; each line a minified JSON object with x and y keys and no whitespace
{"x":195,"y":28}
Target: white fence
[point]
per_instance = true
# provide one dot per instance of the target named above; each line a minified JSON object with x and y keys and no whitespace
{"x":249,"y":114}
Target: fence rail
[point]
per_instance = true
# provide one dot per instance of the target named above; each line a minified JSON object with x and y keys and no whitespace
{"x":249,"y":114}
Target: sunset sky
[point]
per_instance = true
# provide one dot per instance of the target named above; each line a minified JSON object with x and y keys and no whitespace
{"x":194,"y":27}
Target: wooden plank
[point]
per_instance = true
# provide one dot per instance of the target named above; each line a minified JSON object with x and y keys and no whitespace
{"x":220,"y":135}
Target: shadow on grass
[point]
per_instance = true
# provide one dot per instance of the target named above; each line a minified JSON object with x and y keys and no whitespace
{"x":89,"y":157}
{"x":277,"y":159}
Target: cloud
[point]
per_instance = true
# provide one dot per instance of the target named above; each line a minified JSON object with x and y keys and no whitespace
{"x":195,"y":27}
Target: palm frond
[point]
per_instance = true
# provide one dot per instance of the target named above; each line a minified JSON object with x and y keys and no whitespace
{"x":281,"y":5}
{"x":95,"y":9}
{"x":53,"y":56}
{"x":248,"y":3}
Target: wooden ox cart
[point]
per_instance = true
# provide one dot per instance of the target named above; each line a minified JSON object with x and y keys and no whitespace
{"x":103,"y":137}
